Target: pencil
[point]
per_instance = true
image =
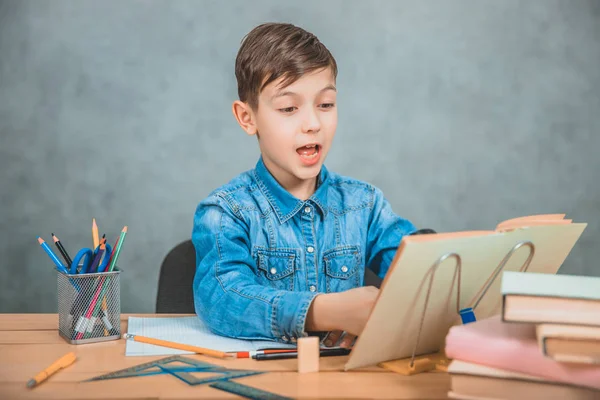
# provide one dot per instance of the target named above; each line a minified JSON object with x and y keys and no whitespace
{"x":52,"y":256}
{"x":179,"y":346}
{"x":62,"y":362}
{"x":62,"y":250}
{"x":117,"y":251}
{"x":95,"y":240}
{"x":112,"y":254}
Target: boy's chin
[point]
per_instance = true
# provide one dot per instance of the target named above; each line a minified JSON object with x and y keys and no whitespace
{"x":307,"y":173}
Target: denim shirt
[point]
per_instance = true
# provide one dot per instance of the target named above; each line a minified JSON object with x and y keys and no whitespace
{"x":262,"y":255}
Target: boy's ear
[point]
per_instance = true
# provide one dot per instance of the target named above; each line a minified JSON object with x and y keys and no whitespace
{"x":244,"y":115}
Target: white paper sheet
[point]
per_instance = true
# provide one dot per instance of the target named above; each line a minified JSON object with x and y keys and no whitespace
{"x":186,"y":330}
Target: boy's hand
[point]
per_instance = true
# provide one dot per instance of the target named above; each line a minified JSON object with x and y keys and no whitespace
{"x":333,"y":337}
{"x":344,"y":311}
{"x":355,"y":307}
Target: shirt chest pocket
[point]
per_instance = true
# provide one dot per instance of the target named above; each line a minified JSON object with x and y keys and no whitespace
{"x":342,"y":268}
{"x":276,"y":267}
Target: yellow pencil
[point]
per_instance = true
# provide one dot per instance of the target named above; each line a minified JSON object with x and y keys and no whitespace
{"x":179,"y":346}
{"x":95,"y":234}
{"x":62,"y":362}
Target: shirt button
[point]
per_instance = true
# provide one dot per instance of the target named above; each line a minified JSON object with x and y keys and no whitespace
{"x":312,"y":288}
{"x":310,"y":249}
{"x":344,"y":269}
{"x":274,"y":270}
{"x":307,"y":210}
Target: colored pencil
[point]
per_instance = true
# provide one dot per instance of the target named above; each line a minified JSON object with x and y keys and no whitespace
{"x":112,"y":254}
{"x":51,"y":254}
{"x":179,"y":346}
{"x":95,"y":240}
{"x":104,"y":307}
{"x":119,"y":246}
{"x":103,"y":243}
{"x":62,"y":250}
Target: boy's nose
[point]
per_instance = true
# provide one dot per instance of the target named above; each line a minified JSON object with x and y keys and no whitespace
{"x":311,"y":122}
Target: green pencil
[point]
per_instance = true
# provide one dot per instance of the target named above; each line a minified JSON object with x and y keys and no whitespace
{"x":113,"y":262}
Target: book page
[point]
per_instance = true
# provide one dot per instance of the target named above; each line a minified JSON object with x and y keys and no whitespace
{"x":532,"y":220}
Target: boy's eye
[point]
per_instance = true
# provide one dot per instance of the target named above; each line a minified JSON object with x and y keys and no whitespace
{"x":328,"y":105}
{"x":287,"y":109}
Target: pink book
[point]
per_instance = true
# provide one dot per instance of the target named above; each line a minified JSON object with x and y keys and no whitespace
{"x":513,"y":347}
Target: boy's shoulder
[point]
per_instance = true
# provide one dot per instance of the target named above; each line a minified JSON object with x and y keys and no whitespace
{"x":236,"y":190}
{"x":343,"y":182}
{"x":347,"y":193}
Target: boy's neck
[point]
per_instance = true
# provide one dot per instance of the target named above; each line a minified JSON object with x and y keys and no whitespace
{"x":299,"y":188}
{"x":303,"y":189}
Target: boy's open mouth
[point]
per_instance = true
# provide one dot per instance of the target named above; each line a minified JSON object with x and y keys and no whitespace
{"x":309,"y":151}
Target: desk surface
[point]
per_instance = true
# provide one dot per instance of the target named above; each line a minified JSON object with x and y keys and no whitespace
{"x":30,"y":342}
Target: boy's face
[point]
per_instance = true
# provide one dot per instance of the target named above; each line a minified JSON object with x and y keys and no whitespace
{"x":296,"y":126}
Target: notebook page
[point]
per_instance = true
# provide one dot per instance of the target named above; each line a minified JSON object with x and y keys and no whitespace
{"x":186,"y":330}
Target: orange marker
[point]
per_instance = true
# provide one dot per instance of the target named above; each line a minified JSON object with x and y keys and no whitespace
{"x":62,"y":362}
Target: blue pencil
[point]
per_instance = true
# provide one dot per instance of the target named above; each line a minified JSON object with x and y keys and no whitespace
{"x":51,"y":254}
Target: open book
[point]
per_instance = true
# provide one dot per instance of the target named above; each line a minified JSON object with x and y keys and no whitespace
{"x":399,"y":324}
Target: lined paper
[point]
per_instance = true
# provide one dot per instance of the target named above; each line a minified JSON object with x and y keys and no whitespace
{"x":186,"y":330}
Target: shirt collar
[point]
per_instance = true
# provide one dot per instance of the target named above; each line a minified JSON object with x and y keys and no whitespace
{"x":283,"y":202}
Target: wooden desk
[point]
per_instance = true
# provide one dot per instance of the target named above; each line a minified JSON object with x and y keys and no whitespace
{"x":30,"y":342}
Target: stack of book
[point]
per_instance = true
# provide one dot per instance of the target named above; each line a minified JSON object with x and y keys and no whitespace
{"x":544,"y":345}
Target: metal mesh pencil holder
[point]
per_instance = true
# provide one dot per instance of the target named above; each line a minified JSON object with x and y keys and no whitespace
{"x":89,"y":306}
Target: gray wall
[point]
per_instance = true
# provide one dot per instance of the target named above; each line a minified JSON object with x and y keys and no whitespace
{"x":465,"y":113}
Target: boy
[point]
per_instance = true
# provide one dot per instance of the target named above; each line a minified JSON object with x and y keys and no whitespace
{"x":282,"y":249}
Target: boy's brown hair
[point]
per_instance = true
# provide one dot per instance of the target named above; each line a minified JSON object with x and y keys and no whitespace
{"x":274,"y":50}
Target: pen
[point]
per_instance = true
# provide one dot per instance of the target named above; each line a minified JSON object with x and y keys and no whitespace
{"x":283,"y":356}
{"x":278,"y":348}
{"x":251,"y":354}
{"x":179,"y":346}
{"x":62,"y":250}
{"x":51,"y":254}
{"x":62,"y":362}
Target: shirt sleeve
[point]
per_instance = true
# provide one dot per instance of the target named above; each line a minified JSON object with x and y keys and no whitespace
{"x":227,"y":295}
{"x":385,"y":231}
